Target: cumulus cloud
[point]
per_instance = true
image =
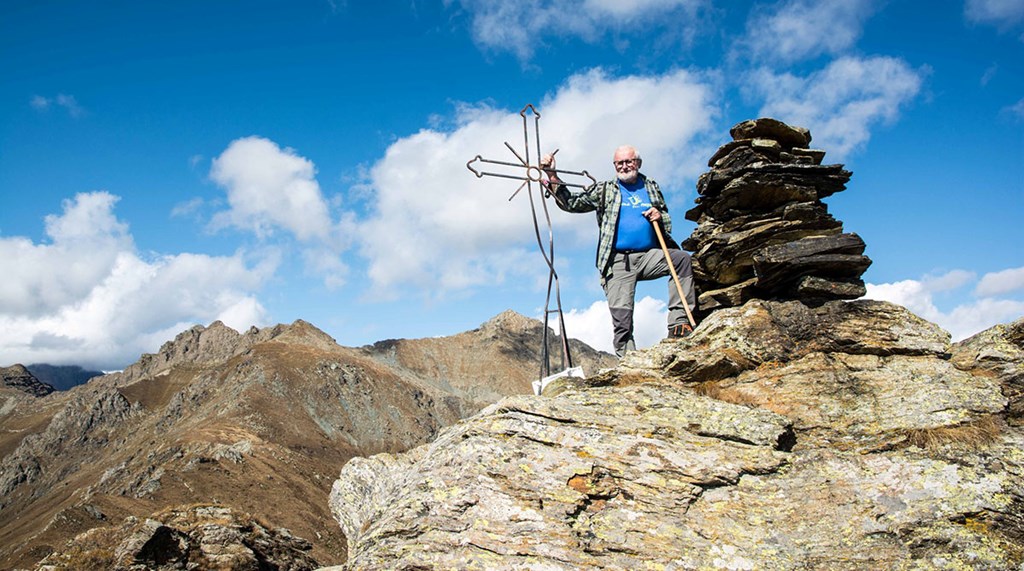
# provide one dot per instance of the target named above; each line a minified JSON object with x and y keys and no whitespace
{"x":85,"y":242}
{"x":1000,"y":13}
{"x":972,"y":313}
{"x":998,"y":283}
{"x":87,"y":297}
{"x":435,"y":227}
{"x":273,"y":191}
{"x":270,"y":188}
{"x":799,"y":29}
{"x":841,"y":103}
{"x":593,"y":325}
{"x":519,"y":26}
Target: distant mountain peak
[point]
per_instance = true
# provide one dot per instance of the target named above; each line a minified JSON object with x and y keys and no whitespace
{"x":18,"y":377}
{"x":304,"y":333}
{"x":511,"y":321}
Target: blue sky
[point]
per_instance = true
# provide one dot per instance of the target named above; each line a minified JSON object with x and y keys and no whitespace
{"x":167,"y":164}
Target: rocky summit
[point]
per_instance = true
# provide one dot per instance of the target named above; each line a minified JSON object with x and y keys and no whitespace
{"x":850,"y":435}
{"x":793,"y":429}
{"x":762,"y":228}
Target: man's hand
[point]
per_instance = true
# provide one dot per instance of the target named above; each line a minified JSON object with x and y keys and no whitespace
{"x":547,"y":164}
{"x":652,"y":214}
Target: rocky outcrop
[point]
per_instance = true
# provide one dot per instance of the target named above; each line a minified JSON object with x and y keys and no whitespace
{"x":762,"y":228}
{"x":998,"y":353}
{"x":187,"y":537}
{"x":777,"y":436}
{"x":19,"y":378}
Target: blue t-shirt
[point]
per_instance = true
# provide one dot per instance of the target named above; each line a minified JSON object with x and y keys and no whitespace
{"x":634,"y":231}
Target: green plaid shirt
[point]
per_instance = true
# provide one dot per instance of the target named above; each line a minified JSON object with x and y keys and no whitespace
{"x":605,"y":198}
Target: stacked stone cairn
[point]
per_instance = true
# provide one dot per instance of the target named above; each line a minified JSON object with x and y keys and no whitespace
{"x":762,"y":229}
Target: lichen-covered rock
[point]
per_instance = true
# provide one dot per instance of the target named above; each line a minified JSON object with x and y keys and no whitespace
{"x":764,"y":333}
{"x":776,"y":436}
{"x":998,"y":352}
{"x":596,"y":478}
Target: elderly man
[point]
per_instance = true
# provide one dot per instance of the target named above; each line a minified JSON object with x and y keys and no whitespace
{"x":628,"y":248}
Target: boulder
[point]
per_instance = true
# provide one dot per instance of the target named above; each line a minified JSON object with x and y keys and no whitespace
{"x":769,"y":128}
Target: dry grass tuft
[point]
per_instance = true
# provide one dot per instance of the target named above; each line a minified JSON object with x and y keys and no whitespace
{"x":634,"y":378}
{"x":711,"y":389}
{"x":731,"y":395}
{"x":99,"y":559}
{"x":973,"y":434}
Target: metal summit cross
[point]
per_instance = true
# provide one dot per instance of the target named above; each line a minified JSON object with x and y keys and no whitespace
{"x":529,"y":174}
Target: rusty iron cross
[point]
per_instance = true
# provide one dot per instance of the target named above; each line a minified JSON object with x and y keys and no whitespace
{"x":529,"y":174}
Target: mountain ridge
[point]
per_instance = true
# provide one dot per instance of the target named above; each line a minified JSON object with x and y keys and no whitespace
{"x":227,"y":417}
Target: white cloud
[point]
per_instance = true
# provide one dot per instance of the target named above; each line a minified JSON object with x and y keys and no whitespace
{"x":519,"y":27}
{"x":435,"y":227}
{"x":1017,"y":109}
{"x":68,"y":102}
{"x":593,"y":325}
{"x":998,"y":283}
{"x":39,"y":103}
{"x":951,"y":280}
{"x":970,"y":315}
{"x":88,"y":298}
{"x":989,"y":74}
{"x":188,"y":208}
{"x":85,"y":242}
{"x":840,"y":103}
{"x":1001,"y":13}
{"x":799,"y":29}
{"x":270,"y":188}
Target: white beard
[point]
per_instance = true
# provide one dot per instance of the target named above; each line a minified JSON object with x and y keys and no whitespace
{"x":628,"y":177}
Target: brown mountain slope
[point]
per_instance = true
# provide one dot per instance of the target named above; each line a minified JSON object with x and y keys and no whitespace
{"x":257,"y":422}
{"x":496,"y":359}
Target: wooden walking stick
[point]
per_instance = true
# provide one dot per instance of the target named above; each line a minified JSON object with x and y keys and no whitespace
{"x":672,"y":269}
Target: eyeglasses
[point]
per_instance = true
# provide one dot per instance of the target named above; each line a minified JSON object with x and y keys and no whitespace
{"x":626,"y":162}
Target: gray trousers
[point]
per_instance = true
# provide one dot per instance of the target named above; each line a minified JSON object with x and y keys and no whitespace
{"x":620,"y":289}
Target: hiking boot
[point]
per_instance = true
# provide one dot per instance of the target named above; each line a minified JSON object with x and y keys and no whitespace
{"x":679,"y":331}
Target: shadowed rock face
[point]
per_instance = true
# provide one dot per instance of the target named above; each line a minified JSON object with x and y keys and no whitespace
{"x":188,"y":537}
{"x":777,"y":436}
{"x":762,"y":228}
{"x":19,"y":378}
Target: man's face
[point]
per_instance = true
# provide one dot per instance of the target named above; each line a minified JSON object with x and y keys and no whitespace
{"x":627,"y":165}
